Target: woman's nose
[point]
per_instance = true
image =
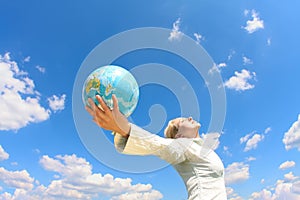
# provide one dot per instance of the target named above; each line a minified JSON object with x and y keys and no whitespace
{"x":190,"y":118}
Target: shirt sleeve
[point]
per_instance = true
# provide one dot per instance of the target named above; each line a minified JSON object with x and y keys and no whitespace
{"x":142,"y":142}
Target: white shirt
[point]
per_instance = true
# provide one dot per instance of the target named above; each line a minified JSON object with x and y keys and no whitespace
{"x":201,"y":169}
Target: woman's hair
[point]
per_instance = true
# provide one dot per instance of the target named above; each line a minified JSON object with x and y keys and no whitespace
{"x":171,"y":130}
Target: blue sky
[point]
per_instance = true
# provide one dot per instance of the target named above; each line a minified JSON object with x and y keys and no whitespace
{"x":255,"y":48}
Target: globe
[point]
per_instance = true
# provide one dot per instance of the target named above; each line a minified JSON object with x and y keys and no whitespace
{"x":108,"y":80}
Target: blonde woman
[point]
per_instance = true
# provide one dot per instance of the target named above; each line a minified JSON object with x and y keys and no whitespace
{"x":182,"y":147}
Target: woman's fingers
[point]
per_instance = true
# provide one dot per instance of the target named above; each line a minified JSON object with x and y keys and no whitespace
{"x":89,"y":110}
{"x":102,"y":103}
{"x":95,"y":111}
{"x":107,"y":118}
{"x":115,"y":102}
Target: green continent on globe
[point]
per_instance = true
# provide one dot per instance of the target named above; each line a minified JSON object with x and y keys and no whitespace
{"x":92,"y":83}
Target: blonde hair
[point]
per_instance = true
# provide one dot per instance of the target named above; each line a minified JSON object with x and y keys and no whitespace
{"x":171,"y":130}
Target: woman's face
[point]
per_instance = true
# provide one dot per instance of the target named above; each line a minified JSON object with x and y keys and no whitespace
{"x":187,"y":127}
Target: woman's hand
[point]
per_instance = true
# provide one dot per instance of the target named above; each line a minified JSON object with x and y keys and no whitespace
{"x":108,"y":119}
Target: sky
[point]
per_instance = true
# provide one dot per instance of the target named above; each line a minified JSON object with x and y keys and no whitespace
{"x":254,"y":46}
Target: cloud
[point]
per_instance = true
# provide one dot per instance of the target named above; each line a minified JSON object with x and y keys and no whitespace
{"x":37,"y":151}
{"x":255,"y":24}
{"x":253,"y":142}
{"x":19,"y":101}
{"x":176,"y":34}
{"x":231,"y":54}
{"x":284,"y":189}
{"x":41,"y":69}
{"x":57,"y":103}
{"x":27,"y":59}
{"x":262,"y":195}
{"x":292,"y":136}
{"x":198,"y":37}
{"x":226,"y":151}
{"x":222,"y":65}
{"x":16,"y":179}
{"x":247,"y":61}
{"x":269,"y":41}
{"x":236,"y":172}
{"x":246,"y":12}
{"x":290,"y":176}
{"x":287,"y":164}
{"x":249,"y":159}
{"x":232,"y":195}
{"x":78,"y":182}
{"x":252,"y":139}
{"x":267,"y":130}
{"x":73,"y":179}
{"x":137,"y":196}
{"x":296,"y":187}
{"x":245,"y":138}
{"x":3,"y":155}
{"x":217,"y":68}
{"x":239,"y":82}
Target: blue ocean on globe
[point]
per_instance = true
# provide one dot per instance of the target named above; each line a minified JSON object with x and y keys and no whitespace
{"x":108,"y":80}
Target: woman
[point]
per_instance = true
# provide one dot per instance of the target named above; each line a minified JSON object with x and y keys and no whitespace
{"x":203,"y":174}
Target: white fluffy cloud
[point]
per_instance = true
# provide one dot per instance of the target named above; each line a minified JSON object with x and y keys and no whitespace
{"x":245,"y":138}
{"x":222,"y":65}
{"x":255,"y":24}
{"x":236,"y":172}
{"x":262,"y":195}
{"x":292,"y":136}
{"x":76,"y":175}
{"x":16,"y":179}
{"x":290,"y":176}
{"x":19,"y":100}
{"x":3,"y":155}
{"x":247,"y":61}
{"x":57,"y":103}
{"x":138,"y":196}
{"x":253,"y":139}
{"x":267,"y":130}
{"x":198,"y":37}
{"x":226,"y":151}
{"x":78,"y":181}
{"x":253,"y":142}
{"x":217,"y":68}
{"x":232,"y":195}
{"x":249,"y":159}
{"x":27,"y":59}
{"x":288,"y":189}
{"x":240,"y":81}
{"x":41,"y":69}
{"x":73,"y":179}
{"x":176,"y":34}
{"x":287,"y":164}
